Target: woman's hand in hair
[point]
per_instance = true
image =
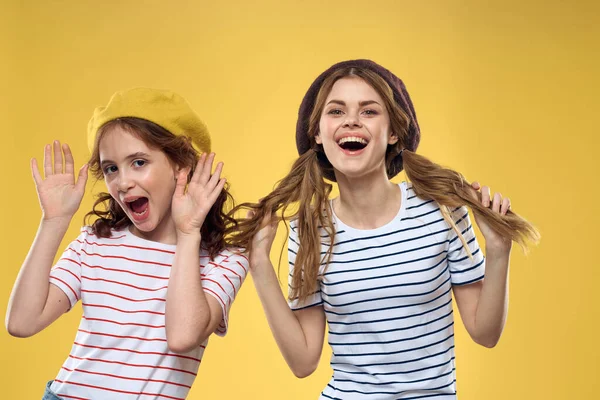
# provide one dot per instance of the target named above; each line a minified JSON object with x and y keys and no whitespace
{"x":498,"y":204}
{"x":190,"y":205}
{"x":262,"y":241}
{"x":59,"y":194}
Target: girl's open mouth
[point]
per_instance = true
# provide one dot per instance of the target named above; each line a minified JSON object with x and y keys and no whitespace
{"x":139,"y":208}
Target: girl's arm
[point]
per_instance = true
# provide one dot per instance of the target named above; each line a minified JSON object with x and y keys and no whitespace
{"x":191,"y":315}
{"x":483,"y":305}
{"x":35,"y":303}
{"x":299,"y":334}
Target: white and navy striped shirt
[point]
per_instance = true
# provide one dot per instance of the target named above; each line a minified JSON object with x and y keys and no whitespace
{"x":120,"y":350}
{"x":388,"y":303}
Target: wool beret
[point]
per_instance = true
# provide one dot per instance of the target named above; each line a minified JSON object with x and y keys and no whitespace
{"x":400,"y":96}
{"x":164,"y":108}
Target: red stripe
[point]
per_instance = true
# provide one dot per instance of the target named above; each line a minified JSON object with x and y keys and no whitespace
{"x":93,"y":234}
{"x":124,"y":284}
{"x":71,"y":397}
{"x":232,"y":285}
{"x":134,"y":365}
{"x":126,"y":258}
{"x":66,"y":270}
{"x":73,"y":250}
{"x":242,"y":265}
{"x":218,"y":297}
{"x":123,"y":311}
{"x":235,"y":273}
{"x":122,"y":323}
{"x":122,"y":297}
{"x":125,"y":245}
{"x":120,"y":391}
{"x":137,"y":352}
{"x":241,"y":255}
{"x":224,"y":291}
{"x":126,"y":378}
{"x":60,"y":280}
{"x":122,"y":337}
{"x":70,"y":259}
{"x":125,"y":271}
{"x":218,"y":255}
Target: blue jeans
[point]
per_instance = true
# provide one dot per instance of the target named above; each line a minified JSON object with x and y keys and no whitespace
{"x":49,"y":394}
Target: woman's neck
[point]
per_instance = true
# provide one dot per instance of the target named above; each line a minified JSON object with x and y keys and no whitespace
{"x":367,"y":202}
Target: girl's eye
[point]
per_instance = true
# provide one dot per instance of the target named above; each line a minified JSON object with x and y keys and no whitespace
{"x":109,"y":170}
{"x":139,"y":163}
{"x":370,"y":112}
{"x":335,"y":111}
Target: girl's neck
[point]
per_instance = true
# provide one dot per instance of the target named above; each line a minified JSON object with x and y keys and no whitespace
{"x":164,"y":232}
{"x":367,"y":202}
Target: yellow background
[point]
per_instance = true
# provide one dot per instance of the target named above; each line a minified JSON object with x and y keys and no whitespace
{"x":506,"y":93}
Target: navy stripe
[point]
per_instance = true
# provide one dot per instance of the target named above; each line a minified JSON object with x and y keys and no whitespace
{"x":422,"y":204}
{"x":392,"y":341}
{"x":397,"y":393}
{"x":330,"y":295}
{"x":411,"y":239}
{"x":469,"y":269}
{"x":465,"y":257}
{"x":451,"y":359}
{"x":412,"y":228}
{"x":388,"y":297}
{"x":395,"y":352}
{"x":328,"y":273}
{"x":451,"y":394}
{"x":414,"y":271}
{"x":305,"y":307}
{"x":373,"y":321}
{"x":405,"y":361}
{"x":389,"y":308}
{"x":468,"y":282}
{"x":404,"y":328}
{"x":399,"y":382}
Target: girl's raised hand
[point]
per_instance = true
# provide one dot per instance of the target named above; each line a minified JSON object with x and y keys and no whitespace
{"x":190,"y":207}
{"x":59,"y":194}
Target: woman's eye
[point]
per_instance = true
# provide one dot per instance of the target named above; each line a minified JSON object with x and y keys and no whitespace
{"x":335,"y":111}
{"x":139,"y":163}
{"x":370,"y":112}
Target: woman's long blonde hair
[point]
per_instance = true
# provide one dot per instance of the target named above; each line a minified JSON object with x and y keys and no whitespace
{"x":305,"y":185}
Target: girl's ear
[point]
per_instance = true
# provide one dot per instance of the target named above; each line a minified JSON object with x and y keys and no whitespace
{"x":393,"y":139}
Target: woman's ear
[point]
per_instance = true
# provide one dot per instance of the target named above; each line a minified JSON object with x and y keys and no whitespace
{"x":318,"y":139}
{"x":393,"y":139}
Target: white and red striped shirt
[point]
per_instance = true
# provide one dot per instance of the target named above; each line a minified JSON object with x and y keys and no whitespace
{"x":120,"y":350}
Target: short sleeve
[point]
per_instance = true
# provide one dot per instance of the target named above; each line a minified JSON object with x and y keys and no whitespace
{"x":224,"y":280}
{"x":464,"y":269}
{"x":66,"y":273}
{"x":313,"y":299}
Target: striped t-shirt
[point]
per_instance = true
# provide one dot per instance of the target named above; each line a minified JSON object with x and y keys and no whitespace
{"x":120,"y":350}
{"x":388,"y":303}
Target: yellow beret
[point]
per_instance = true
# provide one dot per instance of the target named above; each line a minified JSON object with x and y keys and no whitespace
{"x":162,"y":107}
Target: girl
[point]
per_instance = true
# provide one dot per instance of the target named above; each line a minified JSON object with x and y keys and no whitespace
{"x":380,"y":262}
{"x":160,"y":227}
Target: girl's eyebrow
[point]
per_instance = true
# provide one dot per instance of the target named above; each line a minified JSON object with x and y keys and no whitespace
{"x":139,"y":154}
{"x":361,"y":103}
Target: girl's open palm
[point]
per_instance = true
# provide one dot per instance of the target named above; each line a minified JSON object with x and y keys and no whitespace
{"x":190,"y":207}
{"x":59,"y":194}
